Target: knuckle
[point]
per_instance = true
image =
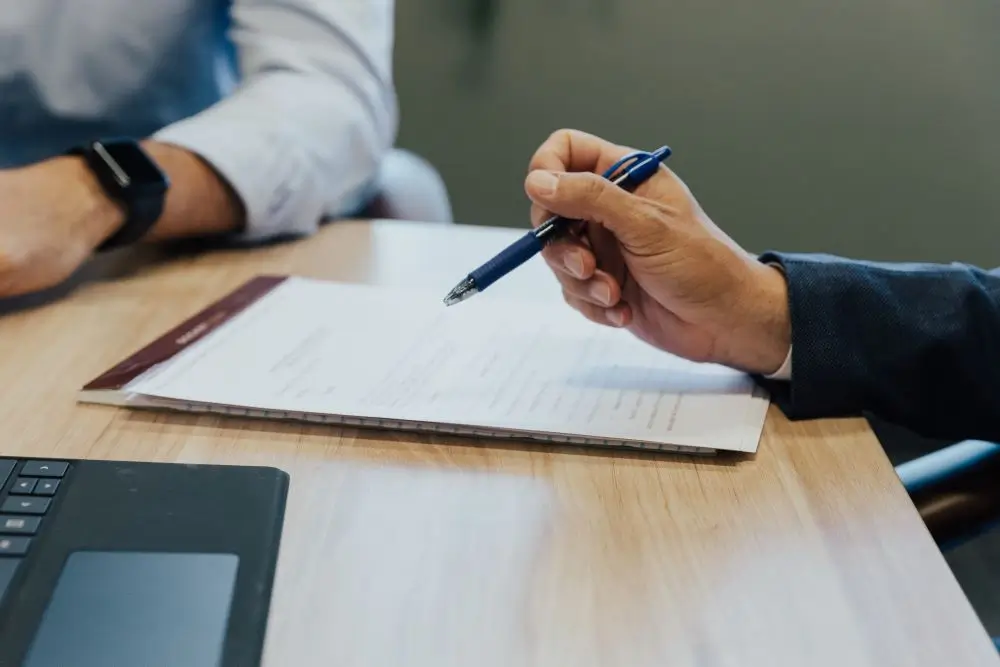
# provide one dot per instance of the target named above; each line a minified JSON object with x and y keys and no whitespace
{"x":595,"y":315}
{"x":559,"y":271}
{"x":11,"y":260}
{"x":600,"y":191}
{"x":601,"y":196}
{"x":13,"y":267}
{"x":569,"y":285}
{"x":548,"y":149}
{"x":588,"y":188}
{"x":556,"y":250}
{"x":552,"y":257}
{"x":589,"y":311}
{"x":573,"y":287}
{"x":574,"y":301}
{"x":657,"y":232}
{"x":561,"y":133}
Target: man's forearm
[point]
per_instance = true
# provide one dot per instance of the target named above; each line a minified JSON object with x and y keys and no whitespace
{"x":914,"y":344}
{"x":198,"y":202}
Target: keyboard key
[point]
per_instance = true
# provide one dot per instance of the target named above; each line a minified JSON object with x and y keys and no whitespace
{"x":44,"y":469}
{"x":23,"y":485}
{"x":8,"y":566}
{"x":6,"y":468}
{"x":14,"y":546}
{"x":46,"y":487}
{"x":19,"y":525}
{"x":21,"y":505}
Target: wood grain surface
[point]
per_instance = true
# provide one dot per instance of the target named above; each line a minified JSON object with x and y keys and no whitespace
{"x":403,"y":550}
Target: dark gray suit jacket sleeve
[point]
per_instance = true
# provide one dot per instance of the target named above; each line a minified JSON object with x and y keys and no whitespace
{"x":915,"y":344}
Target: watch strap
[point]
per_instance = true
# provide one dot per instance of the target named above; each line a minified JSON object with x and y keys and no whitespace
{"x":140,"y":216}
{"x":141,"y":213}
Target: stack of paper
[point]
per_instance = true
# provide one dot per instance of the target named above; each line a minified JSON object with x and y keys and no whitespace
{"x":293,"y":348}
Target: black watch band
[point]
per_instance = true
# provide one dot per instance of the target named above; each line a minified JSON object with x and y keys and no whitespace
{"x":140,"y":216}
{"x":130,"y":177}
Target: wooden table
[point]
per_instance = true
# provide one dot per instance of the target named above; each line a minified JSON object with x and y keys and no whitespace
{"x":402,"y":550}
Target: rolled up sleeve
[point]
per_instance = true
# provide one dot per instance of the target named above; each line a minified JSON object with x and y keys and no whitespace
{"x":302,"y":137}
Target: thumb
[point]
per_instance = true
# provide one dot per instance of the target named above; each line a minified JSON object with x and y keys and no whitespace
{"x":587,"y":196}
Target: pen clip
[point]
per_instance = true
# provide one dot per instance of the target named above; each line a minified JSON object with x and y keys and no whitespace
{"x":622,"y":167}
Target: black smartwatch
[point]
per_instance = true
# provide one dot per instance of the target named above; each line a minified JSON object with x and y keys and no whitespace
{"x":129,"y":176}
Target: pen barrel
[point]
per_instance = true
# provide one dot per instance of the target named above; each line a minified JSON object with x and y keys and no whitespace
{"x":511,"y":257}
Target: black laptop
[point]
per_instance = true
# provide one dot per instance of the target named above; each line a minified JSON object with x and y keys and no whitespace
{"x":118,"y":564}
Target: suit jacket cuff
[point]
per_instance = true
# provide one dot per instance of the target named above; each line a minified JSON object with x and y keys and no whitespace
{"x":821,"y":300}
{"x":912,"y":343}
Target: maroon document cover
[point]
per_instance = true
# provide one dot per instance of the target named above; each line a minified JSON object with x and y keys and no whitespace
{"x":186,"y":334}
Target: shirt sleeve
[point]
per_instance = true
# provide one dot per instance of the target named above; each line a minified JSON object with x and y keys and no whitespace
{"x":785,"y":371}
{"x":304,"y":134}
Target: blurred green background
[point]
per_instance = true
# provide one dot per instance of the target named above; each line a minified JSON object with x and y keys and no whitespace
{"x":857,"y":127}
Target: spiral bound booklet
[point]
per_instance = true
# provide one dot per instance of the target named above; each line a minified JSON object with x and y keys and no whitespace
{"x":384,"y":357}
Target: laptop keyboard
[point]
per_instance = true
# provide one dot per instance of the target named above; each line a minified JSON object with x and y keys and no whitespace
{"x":27,"y":490}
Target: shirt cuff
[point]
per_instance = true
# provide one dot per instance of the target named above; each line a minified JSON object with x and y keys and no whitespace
{"x":785,"y":371}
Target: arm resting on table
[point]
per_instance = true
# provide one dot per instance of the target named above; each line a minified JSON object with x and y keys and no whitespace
{"x":305,"y":134}
{"x":915,"y":344}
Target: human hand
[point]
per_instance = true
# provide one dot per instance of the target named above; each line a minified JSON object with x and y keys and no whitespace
{"x":52,"y":216}
{"x":653,"y":262}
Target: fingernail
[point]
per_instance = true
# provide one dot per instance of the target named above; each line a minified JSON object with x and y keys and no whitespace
{"x":602,"y":293}
{"x":543,"y":182}
{"x":616,"y":317}
{"x":574,"y":264}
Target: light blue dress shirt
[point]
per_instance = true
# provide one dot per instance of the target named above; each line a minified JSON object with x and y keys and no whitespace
{"x":291,"y":101}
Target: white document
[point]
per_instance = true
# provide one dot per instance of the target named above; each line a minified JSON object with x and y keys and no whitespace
{"x":504,"y":368}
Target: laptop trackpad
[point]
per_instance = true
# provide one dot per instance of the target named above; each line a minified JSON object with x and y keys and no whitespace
{"x":124,"y":608}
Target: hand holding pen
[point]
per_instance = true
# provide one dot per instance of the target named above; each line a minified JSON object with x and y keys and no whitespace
{"x":653,"y":262}
{"x":628,"y":173}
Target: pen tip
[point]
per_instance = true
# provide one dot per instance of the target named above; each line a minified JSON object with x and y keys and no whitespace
{"x":461,"y":292}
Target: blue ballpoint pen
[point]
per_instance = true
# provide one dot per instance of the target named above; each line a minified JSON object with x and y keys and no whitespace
{"x":629,"y":172}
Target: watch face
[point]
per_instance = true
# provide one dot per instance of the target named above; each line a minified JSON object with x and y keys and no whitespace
{"x":130,"y":166}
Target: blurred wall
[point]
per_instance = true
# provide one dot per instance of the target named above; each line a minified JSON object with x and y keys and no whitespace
{"x":858,"y":127}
